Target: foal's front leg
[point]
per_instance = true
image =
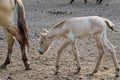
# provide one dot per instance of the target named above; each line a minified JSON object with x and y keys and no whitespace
{"x":65,"y":44}
{"x":75,"y":52}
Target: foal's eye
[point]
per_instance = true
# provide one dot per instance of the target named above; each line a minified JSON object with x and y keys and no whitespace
{"x":41,"y":42}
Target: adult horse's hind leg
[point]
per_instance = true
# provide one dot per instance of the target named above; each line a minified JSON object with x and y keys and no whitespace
{"x":20,"y":39}
{"x":10,"y":41}
{"x":23,"y":32}
{"x":110,"y":47}
{"x":24,"y":57}
{"x":13,"y":31}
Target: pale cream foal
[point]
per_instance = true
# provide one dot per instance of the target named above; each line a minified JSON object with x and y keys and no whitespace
{"x":80,"y":27}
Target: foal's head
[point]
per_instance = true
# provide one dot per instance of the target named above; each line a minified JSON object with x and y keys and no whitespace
{"x":44,"y":43}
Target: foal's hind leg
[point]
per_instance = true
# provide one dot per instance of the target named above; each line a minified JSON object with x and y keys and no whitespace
{"x":10,"y":41}
{"x":100,"y":50}
{"x":110,"y":47}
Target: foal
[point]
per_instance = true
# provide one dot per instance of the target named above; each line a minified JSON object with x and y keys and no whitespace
{"x":98,"y":1}
{"x":80,"y":27}
{"x":7,"y":9}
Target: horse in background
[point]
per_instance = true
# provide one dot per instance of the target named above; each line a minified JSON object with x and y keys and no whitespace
{"x":98,"y":1}
{"x":20,"y":33}
{"x":80,"y":27}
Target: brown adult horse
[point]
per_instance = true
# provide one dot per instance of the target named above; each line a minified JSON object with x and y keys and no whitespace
{"x":7,"y":9}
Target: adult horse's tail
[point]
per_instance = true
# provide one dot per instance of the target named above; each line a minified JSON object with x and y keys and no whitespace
{"x":22,"y":26}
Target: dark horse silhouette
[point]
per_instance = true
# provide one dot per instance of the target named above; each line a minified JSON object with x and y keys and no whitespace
{"x":98,"y":1}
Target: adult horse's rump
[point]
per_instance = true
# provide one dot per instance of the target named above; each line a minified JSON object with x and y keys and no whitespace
{"x":7,"y":9}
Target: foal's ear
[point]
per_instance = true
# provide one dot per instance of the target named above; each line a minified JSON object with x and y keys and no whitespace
{"x":43,"y":34}
{"x":45,"y":30}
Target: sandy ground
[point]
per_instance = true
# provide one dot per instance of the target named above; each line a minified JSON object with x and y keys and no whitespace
{"x":44,"y":14}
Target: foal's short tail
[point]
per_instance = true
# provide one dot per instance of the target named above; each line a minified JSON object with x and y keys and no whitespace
{"x":21,"y":22}
{"x":109,"y":24}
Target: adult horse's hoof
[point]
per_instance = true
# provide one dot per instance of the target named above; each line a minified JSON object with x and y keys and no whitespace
{"x":27,"y":68}
{"x":3,"y":66}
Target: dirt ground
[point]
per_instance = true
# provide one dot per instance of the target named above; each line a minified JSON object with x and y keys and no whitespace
{"x":44,"y":14}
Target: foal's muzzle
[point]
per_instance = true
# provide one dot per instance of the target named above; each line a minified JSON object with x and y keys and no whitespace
{"x":40,"y":50}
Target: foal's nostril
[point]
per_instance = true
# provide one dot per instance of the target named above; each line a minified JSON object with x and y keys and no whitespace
{"x":40,"y":51}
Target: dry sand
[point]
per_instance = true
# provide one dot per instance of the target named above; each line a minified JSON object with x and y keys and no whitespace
{"x":44,"y":14}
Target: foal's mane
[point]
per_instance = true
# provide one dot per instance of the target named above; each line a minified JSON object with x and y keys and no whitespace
{"x":59,"y":25}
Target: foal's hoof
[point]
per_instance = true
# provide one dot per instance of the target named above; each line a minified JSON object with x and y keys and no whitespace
{"x":56,"y":73}
{"x":92,"y":73}
{"x":78,"y":70}
{"x":116,"y":75}
{"x":89,"y":74}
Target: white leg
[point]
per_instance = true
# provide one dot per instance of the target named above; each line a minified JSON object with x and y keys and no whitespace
{"x":110,"y":47}
{"x":101,"y":52}
{"x":65,"y":44}
{"x":75,"y":52}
